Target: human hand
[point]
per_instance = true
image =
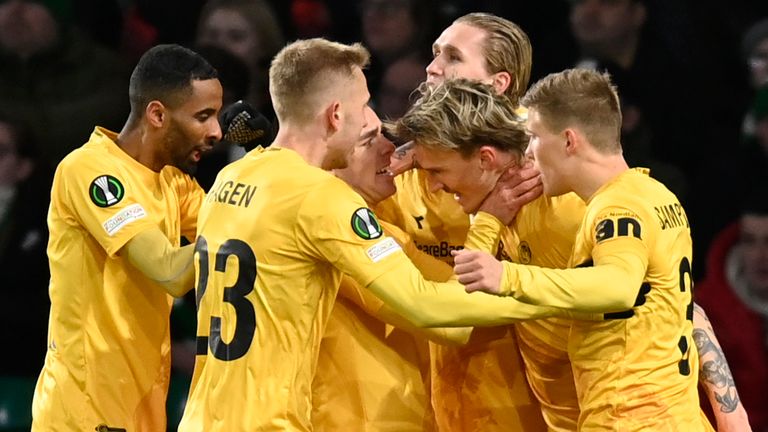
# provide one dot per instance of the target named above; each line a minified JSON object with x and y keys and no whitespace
{"x":241,"y":124}
{"x":402,"y":159}
{"x":478,"y":271}
{"x":516,"y":187}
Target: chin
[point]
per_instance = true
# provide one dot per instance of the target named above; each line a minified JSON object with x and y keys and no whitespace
{"x":469,"y":209}
{"x":187,"y":167}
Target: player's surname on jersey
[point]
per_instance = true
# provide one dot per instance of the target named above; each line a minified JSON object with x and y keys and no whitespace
{"x":229,"y":192}
{"x":671,"y":215}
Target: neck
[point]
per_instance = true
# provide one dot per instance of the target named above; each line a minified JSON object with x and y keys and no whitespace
{"x":134,"y":139}
{"x":602,"y":169}
{"x":307,"y":142}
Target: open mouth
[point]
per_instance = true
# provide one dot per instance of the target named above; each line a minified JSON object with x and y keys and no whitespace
{"x":384,"y":171}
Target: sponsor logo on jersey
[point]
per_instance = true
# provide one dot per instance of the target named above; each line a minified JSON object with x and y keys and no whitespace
{"x":442,"y":250}
{"x":365,"y":225}
{"x":118,"y":221}
{"x":382,"y":249}
{"x":106,"y":191}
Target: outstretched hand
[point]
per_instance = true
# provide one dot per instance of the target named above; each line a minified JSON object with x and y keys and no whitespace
{"x":478,"y":271}
{"x":515,"y":188}
{"x":402,"y":159}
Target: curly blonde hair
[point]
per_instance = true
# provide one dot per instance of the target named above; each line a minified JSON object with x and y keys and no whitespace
{"x":462,"y":115}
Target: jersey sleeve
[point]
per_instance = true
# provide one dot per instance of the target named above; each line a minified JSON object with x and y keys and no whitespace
{"x":345,"y":233}
{"x":97,"y":194}
{"x":607,"y":283}
{"x":447,"y":304}
{"x":335,"y":225}
{"x":191,"y":197}
{"x":484,"y":233}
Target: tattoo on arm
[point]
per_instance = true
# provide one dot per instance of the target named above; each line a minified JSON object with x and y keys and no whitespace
{"x":403,"y":150}
{"x":714,"y":371}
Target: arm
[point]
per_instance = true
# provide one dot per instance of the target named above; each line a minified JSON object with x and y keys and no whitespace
{"x":365,"y":300}
{"x":431,"y":304}
{"x":582,"y":289}
{"x":715,"y":377}
{"x":432,"y":269}
{"x":484,"y":233}
{"x":171,"y":267}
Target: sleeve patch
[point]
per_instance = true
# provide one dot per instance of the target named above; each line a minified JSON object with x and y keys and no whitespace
{"x":383,"y":249}
{"x":365,"y":225}
{"x":129,"y":214}
{"x":106,"y":191}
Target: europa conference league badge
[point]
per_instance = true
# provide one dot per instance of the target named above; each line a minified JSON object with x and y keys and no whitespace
{"x":106,"y":191}
{"x":365,"y":225}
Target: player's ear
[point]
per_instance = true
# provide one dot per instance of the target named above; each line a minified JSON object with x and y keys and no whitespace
{"x":501,"y":81}
{"x":488,"y":157}
{"x":333,"y":117}
{"x":155,"y":112}
{"x":572,"y":140}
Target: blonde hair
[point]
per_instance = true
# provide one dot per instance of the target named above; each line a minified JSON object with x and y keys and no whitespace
{"x":462,"y":115}
{"x":302,"y":70}
{"x":579,"y":97}
{"x":506,"y":49}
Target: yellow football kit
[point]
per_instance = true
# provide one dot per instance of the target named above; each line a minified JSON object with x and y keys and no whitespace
{"x":637,"y":369}
{"x":480,"y":386}
{"x":434,"y":220}
{"x":370,"y":375}
{"x":108,"y":359}
{"x":275,"y":236}
{"x":543,"y":234}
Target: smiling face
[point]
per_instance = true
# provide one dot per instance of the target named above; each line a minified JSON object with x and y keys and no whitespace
{"x":458,"y":53}
{"x":193,"y":126}
{"x":470,"y":179}
{"x":547,"y":151}
{"x":368,"y":170}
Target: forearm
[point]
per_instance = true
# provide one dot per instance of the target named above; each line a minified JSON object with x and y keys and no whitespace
{"x":610,"y":286}
{"x":373,"y":306}
{"x":430,"y":304}
{"x":484,"y":233}
{"x":715,"y":377}
{"x":171,"y":267}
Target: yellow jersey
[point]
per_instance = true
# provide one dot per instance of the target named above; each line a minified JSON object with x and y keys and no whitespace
{"x":275,"y":236}
{"x":266,"y":285}
{"x":637,"y":369}
{"x":370,"y":375}
{"x":480,"y":386}
{"x":543,"y":234}
{"x":434,"y":220}
{"x":108,"y":358}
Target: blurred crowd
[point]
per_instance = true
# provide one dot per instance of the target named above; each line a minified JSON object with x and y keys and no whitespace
{"x":692,"y":77}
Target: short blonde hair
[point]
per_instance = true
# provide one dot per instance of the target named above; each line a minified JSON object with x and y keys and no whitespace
{"x":462,"y":115}
{"x":304,"y":69}
{"x":583,"y":98}
{"x":506,"y":49}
